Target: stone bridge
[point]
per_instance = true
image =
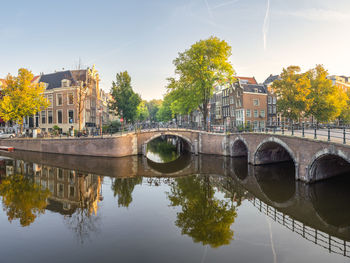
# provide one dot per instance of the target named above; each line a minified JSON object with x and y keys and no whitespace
{"x":314,"y":160}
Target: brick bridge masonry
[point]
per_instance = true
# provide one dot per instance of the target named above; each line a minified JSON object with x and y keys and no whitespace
{"x":314,"y":160}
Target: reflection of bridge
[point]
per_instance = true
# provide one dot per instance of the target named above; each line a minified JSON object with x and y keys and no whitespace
{"x":314,"y":160}
{"x":333,"y":244}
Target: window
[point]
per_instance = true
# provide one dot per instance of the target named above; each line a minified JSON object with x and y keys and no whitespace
{"x":232,"y":112}
{"x":269,"y":108}
{"x":255,"y":124}
{"x":37,"y":119}
{"x":256,"y":102}
{"x":248,"y":113}
{"x":269,"y":99}
{"x":59,"y":116}
{"x":262,"y":124}
{"x":256,"y":113}
{"x":274,"y":109}
{"x":65,"y":83}
{"x":49,"y":116}
{"x":43,"y":117}
{"x":70,"y":116}
{"x":274,"y":100}
{"x":70,"y":98}
{"x":262,"y":113}
{"x":248,"y":123}
{"x":59,"y":100}
{"x":49,"y":98}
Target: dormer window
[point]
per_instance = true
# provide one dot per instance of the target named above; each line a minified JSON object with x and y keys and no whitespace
{"x":255,"y":90}
{"x":65,"y":83}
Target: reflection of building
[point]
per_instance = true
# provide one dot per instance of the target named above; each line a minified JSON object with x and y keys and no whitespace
{"x":69,"y":189}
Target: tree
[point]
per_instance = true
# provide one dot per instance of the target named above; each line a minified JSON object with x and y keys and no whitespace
{"x":200,"y":68}
{"x":22,"y":199}
{"x":125,"y":100}
{"x":327,"y":100}
{"x":345,"y":113}
{"x":164,"y":113}
{"x":142,"y":111}
{"x":292,"y":90}
{"x":123,"y":188}
{"x":21,"y":97}
{"x":203,"y":217}
{"x":153,"y":107}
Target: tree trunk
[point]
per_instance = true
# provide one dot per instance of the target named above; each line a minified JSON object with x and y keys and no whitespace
{"x":205,"y":115}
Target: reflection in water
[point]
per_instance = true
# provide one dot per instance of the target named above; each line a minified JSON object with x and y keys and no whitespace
{"x":123,"y":188}
{"x":22,"y":199}
{"x":164,"y":149}
{"x":203,"y":217}
{"x":206,"y":204}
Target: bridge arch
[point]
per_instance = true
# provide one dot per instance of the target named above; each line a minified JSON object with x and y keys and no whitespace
{"x":274,"y":150}
{"x":169,"y":133}
{"x":327,"y":163}
{"x":239,"y":147}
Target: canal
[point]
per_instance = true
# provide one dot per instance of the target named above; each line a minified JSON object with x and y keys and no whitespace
{"x":170,"y":206}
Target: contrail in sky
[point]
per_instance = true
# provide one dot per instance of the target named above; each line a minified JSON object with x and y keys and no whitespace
{"x":209,"y":9}
{"x":266,"y":23}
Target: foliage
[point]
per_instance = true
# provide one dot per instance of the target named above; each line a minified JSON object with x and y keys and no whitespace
{"x":123,"y":188}
{"x":22,"y":199}
{"x":125,"y":100}
{"x":164,"y":113}
{"x":345,"y":113}
{"x":142,"y":111}
{"x":327,"y":100}
{"x":166,"y":151}
{"x":153,"y":107}
{"x":203,"y":217}
{"x":21,"y":97}
{"x":292,"y":89}
{"x":112,"y":126}
{"x":199,"y":69}
{"x":56,"y":130}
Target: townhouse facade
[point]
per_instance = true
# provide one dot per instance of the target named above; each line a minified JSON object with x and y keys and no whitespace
{"x":74,"y":101}
{"x":340,"y":81}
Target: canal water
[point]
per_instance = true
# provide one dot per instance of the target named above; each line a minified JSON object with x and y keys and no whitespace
{"x":169,"y":207}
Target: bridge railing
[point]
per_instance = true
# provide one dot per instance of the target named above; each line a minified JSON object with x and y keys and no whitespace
{"x":322,"y":239}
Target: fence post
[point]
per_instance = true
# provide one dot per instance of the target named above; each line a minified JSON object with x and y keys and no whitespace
{"x":344,"y":135}
{"x":292,"y":129}
{"x":282,"y":127}
{"x":303,"y":130}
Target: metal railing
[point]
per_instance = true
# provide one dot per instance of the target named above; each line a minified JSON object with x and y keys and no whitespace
{"x":322,"y":239}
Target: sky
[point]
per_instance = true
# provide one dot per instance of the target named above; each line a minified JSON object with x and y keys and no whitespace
{"x":145,"y":36}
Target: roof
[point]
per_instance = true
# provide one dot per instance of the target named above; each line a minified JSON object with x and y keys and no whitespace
{"x":250,"y":80}
{"x":254,"y":88}
{"x":54,"y":80}
{"x":271,"y":79}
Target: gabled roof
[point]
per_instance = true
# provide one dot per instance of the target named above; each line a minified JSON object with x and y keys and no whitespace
{"x":271,"y":79}
{"x":254,"y":88}
{"x":54,"y":80}
{"x":249,"y":80}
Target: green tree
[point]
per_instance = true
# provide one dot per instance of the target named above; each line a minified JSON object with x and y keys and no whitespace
{"x":123,"y":188}
{"x":345,"y":113}
{"x":22,"y":199}
{"x":153,"y":107}
{"x":164,"y":113}
{"x":203,"y":217}
{"x":142,"y":111}
{"x":327,"y":100}
{"x":125,"y":100}
{"x":200,"y":68}
{"x":292,"y":89}
{"x":21,"y":97}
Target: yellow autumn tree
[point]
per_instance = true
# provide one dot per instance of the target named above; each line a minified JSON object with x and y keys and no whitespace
{"x":21,"y":97}
{"x":328,"y":100}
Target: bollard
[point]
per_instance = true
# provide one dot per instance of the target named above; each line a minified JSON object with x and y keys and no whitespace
{"x":282,"y":127}
{"x":315,"y":134}
{"x":344,"y":136}
{"x":329,"y":134}
{"x":303,"y":130}
{"x":292,"y":129}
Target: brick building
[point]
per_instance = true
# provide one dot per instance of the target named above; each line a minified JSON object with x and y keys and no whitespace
{"x":70,"y":92}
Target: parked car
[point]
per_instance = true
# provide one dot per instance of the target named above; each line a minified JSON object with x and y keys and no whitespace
{"x":7,"y":135}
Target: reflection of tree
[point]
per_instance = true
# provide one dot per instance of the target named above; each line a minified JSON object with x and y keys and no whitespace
{"x":22,"y":199}
{"x":166,"y":151}
{"x":123,"y":188}
{"x":203,"y":217}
